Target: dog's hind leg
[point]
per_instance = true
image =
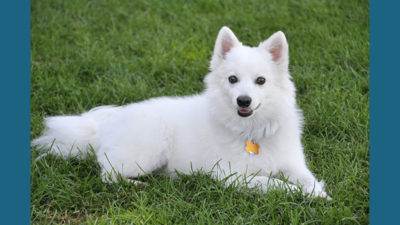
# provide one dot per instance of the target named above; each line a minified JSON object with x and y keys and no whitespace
{"x":133,"y":144}
{"x":114,"y":165}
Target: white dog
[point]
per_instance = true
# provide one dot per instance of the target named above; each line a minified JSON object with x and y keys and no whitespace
{"x":245,"y":125}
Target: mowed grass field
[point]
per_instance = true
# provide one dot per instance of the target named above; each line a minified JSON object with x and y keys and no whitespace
{"x":91,"y":53}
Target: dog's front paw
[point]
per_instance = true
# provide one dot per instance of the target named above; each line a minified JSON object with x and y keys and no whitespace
{"x":317,"y":190}
{"x":323,"y":195}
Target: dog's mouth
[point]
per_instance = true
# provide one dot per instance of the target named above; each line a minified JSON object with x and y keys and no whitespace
{"x":245,"y":112}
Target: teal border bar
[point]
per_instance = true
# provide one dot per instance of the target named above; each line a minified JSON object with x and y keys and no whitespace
{"x":384,"y":112}
{"x":15,"y":111}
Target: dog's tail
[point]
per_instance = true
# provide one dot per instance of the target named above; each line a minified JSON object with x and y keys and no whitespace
{"x":72,"y":135}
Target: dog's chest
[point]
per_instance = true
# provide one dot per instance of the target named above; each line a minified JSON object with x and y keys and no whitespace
{"x":258,"y":132}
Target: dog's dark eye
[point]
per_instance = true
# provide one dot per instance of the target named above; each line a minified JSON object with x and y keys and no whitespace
{"x":260,"y":80}
{"x":232,"y":79}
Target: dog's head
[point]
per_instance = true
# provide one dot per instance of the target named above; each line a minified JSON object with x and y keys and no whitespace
{"x":246,"y":80}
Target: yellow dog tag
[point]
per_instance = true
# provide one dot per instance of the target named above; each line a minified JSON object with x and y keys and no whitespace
{"x":252,"y":148}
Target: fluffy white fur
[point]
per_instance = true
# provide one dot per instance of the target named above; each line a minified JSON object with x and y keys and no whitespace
{"x":205,"y":130}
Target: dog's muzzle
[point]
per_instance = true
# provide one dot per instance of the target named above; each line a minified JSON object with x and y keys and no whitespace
{"x":245,"y":112}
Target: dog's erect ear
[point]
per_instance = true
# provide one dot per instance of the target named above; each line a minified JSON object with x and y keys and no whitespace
{"x":226,"y":40}
{"x":278,"y":47}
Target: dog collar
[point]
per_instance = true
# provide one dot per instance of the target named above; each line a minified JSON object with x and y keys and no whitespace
{"x":252,"y":148}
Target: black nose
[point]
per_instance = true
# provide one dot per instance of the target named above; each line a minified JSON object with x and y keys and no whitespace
{"x":243,"y":101}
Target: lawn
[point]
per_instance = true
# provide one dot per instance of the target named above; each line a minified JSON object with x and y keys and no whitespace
{"x":91,"y":53}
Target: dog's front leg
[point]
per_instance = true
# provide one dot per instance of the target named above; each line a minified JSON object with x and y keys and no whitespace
{"x":266,"y":184}
{"x":262,"y":183}
{"x":303,"y":177}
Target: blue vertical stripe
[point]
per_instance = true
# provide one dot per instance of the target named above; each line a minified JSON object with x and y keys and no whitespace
{"x":15,"y":111}
{"x":384,"y":111}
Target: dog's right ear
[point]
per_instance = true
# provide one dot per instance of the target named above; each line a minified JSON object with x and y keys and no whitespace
{"x":278,"y":48}
{"x":226,"y":40}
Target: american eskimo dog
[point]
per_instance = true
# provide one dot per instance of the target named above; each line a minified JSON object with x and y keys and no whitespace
{"x":246,"y":122}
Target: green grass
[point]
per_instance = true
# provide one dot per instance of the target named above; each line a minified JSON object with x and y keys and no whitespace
{"x":90,"y":53}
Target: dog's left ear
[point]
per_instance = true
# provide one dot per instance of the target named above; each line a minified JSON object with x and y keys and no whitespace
{"x":277,"y":46}
{"x":226,"y":40}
